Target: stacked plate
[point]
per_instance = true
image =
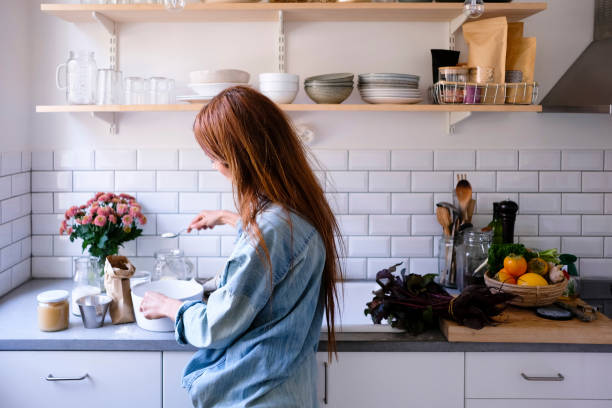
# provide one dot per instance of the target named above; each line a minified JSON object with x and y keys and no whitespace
{"x":209,"y":83}
{"x":329,"y":88}
{"x":390,"y":88}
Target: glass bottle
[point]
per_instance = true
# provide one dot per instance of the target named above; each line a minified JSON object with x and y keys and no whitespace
{"x":496,"y":226}
{"x":172,"y":264}
{"x":507,"y":215}
{"x":86,"y":281}
{"x":445,"y":262}
{"x":80,"y":78}
{"x":472,"y":251}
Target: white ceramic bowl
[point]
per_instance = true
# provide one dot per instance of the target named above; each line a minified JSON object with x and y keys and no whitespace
{"x":219,"y":75}
{"x":212,"y":89}
{"x":176,"y":289}
{"x":278,"y":86}
{"x":281,"y":96}
{"x":278,"y":77}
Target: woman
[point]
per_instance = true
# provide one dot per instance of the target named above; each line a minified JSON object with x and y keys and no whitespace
{"x":259,"y":331}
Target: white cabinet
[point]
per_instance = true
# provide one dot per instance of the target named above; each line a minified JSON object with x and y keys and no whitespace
{"x":114,"y":379}
{"x":394,"y":380}
{"x":175,"y":396}
{"x":536,"y":403}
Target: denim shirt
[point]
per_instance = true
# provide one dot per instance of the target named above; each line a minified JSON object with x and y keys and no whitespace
{"x":258,"y":333}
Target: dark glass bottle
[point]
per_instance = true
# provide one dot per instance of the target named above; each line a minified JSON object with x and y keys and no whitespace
{"x":496,"y":225}
{"x":507,"y":215}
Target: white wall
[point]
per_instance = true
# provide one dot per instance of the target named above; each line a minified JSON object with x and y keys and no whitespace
{"x":563,"y":31}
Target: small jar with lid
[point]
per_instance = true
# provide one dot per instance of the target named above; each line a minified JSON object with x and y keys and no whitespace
{"x":453,"y":92}
{"x":53,"y":310}
{"x":453,"y":74}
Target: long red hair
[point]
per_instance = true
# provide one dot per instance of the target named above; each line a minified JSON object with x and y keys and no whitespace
{"x":252,"y":137}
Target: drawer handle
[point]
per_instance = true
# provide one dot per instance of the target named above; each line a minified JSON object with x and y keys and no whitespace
{"x":558,"y":377}
{"x":50,"y":377}
{"x":325,"y":392}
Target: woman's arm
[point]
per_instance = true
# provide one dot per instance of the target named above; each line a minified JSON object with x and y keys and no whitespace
{"x":154,"y":305}
{"x":210,"y":218}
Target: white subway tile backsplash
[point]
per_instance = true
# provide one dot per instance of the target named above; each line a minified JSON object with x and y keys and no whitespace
{"x":157,"y":159}
{"x":369,"y":203}
{"x":347,"y":181}
{"x":329,"y":159}
{"x":541,"y":243}
{"x":525,"y":224}
{"x":412,"y":160}
{"x":424,"y":266}
{"x":560,"y":225}
{"x":389,"y":225}
{"x":48,"y":181}
{"x":374,"y":265}
{"x":6,"y":234}
{"x":481,"y":181}
{"x":412,"y":246}
{"x":369,"y":160}
{"x":63,"y":201}
{"x":539,"y":160}
{"x":73,"y":159}
{"x":147,"y":246}
{"x":558,"y":182}
{"x":174,"y":222}
{"x":582,"y":246}
{"x":177,"y":181}
{"x":368,"y":246}
{"x":134,"y":181}
{"x":426,"y":182}
{"x":597,"y":225}
{"x":46,"y":224}
{"x":42,"y":203}
{"x":339,"y":202}
{"x":608,"y":160}
{"x":20,"y":184}
{"x":150,"y":228}
{"x":540,"y":203}
{"x":596,"y":268}
{"x":42,"y":245}
{"x":194,"y":159}
{"x":582,"y":160}
{"x":21,"y":228}
{"x":26,"y":161}
{"x":583,"y":203}
{"x":93,"y":181}
{"x":158,"y":202}
{"x":608,"y":204}
{"x":5,"y":282}
{"x":389,"y":181}
{"x":608,"y":247}
{"x":209,"y":267}
{"x":196,"y":202}
{"x":227,"y":245}
{"x":484,"y":201}
{"x":10,"y":255}
{"x":63,"y":247}
{"x":51,"y":267}
{"x":219,"y":230}
{"x":5,"y":187}
{"x":352,"y":224}
{"x":10,"y":163}
{"x":42,"y":160}
{"x":353,"y":268}
{"x":597,"y":182}
{"x":496,"y":160}
{"x":128,"y":249}
{"x":521,"y":181}
{"x":26,"y":248}
{"x":200,"y":245}
{"x":20,"y":273}
{"x":115,"y":159}
{"x":412,"y":203}
{"x":425,"y":225}
{"x":227,"y":202}
{"x":12,"y":209}
{"x":214,"y":181}
{"x":454,"y":160}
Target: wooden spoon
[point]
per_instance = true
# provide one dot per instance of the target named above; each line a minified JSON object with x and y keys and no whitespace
{"x":445,"y":220}
{"x":464,"y":196}
{"x":470,"y":210}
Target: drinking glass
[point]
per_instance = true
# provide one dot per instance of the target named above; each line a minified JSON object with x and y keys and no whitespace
{"x":135,"y":91}
{"x":85,"y":282}
{"x":109,"y":87}
{"x":161,"y":90}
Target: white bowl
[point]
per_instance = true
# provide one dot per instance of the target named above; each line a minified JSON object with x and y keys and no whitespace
{"x":278,"y":86}
{"x":278,"y":77}
{"x":219,"y":75}
{"x":281,"y":96}
{"x":176,"y":289}
{"x":212,"y":89}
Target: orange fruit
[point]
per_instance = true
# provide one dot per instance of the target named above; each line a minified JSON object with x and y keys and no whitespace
{"x":532,"y":279}
{"x":537,"y":265}
{"x":505,"y":277}
{"x":515,"y":265}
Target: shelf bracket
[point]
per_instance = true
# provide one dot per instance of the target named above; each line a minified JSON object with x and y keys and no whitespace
{"x":453,"y":26}
{"x":110,"y":118}
{"x":281,"y":41}
{"x":111,"y":28}
{"x":452,"y":118}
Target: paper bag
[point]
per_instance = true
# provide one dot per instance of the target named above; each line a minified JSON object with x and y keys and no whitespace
{"x":521,"y":57}
{"x":117,"y":273}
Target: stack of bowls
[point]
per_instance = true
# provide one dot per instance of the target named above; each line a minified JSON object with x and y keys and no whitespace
{"x":390,"y":88}
{"x":209,"y":83}
{"x":329,"y":88}
{"x":279,"y":87}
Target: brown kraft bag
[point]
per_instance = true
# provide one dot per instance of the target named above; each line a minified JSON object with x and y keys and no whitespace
{"x":117,"y":273}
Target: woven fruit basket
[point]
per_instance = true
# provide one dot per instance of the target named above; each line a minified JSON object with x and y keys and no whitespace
{"x":528,"y":296}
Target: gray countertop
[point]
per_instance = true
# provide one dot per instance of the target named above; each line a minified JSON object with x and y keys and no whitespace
{"x":19,"y":331}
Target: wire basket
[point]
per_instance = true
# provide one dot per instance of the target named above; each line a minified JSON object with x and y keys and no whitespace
{"x":470,"y":93}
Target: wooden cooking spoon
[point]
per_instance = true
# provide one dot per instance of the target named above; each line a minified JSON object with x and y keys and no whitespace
{"x":445,"y":220}
{"x":464,"y":196}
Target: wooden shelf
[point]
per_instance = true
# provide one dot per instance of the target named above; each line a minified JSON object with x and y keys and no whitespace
{"x":295,"y":108}
{"x":129,"y":13}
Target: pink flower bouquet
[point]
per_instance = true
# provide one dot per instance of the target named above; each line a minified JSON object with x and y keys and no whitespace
{"x":104,"y":223}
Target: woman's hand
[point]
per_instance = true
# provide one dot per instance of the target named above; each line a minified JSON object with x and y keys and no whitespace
{"x":154,"y":305}
{"x":208,"y":219}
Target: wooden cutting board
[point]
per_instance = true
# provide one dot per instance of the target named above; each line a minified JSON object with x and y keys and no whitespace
{"x":519,"y":325}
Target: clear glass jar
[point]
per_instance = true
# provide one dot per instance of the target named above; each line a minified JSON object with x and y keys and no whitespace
{"x":471,"y":252}
{"x":53,"y":310}
{"x":86,"y":281}
{"x":79,"y":79}
{"x":172,"y":264}
{"x":453,"y":74}
{"x":446,"y":274}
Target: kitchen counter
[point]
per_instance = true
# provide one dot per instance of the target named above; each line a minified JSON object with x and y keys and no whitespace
{"x":19,"y":331}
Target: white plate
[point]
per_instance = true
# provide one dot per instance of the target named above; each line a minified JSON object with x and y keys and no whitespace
{"x":193,"y":99}
{"x":391,"y":99}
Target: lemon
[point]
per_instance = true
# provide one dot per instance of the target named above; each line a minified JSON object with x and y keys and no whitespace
{"x":531,"y":279}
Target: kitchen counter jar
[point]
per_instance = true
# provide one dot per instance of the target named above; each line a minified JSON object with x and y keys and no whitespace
{"x":53,"y":310}
{"x":472,"y":250}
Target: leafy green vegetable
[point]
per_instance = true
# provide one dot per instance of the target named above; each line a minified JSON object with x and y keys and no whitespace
{"x":497,"y":253}
{"x":550,"y":255}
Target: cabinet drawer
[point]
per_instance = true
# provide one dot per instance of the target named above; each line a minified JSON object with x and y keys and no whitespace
{"x":175,"y":396}
{"x":537,"y":403}
{"x":499,"y":375}
{"x":114,"y":379}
